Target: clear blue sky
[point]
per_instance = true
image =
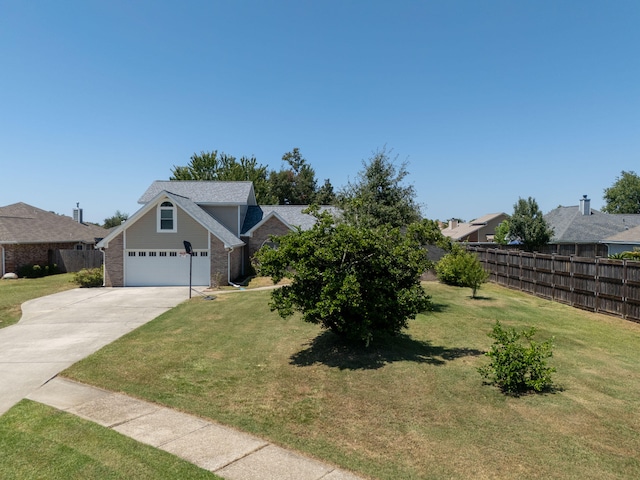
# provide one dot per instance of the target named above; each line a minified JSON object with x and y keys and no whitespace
{"x":488,"y":101}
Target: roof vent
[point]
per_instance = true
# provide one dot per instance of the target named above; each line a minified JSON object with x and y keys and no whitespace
{"x":77,"y":213}
{"x":585,"y":205}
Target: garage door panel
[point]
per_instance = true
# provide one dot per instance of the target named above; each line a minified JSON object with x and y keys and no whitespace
{"x":146,"y":269}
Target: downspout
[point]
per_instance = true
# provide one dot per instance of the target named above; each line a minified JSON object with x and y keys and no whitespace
{"x":3,"y":272}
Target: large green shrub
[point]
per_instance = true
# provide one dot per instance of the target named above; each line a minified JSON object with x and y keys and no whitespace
{"x":461,"y":269}
{"x":516,"y":368}
{"x":89,"y":277}
{"x":356,"y":281}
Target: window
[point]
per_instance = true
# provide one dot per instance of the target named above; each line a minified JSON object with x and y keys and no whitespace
{"x":204,"y":254}
{"x":163,"y":254}
{"x":142,"y":254}
{"x":152,"y":254}
{"x":173,"y":254}
{"x":132,"y":254}
{"x":166,"y":217}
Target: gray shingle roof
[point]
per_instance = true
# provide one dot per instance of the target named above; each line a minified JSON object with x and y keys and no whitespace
{"x":204,"y":192}
{"x":206,"y":220}
{"x":292,"y":214}
{"x":632,"y":235}
{"x":23,"y":223}
{"x":570,"y":226}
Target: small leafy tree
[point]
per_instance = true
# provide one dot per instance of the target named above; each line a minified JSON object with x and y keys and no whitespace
{"x":355,"y":281}
{"x":502,"y":235}
{"x":624,"y":195}
{"x":516,"y":368}
{"x":528,"y":225}
{"x":462,"y":269}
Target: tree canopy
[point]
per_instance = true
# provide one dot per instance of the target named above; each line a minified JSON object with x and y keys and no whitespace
{"x":223,"y":167}
{"x":356,"y":281}
{"x":378,"y":196}
{"x":295,"y":184}
{"x":528,"y":225}
{"x":624,"y":195}
{"x":115,"y":220}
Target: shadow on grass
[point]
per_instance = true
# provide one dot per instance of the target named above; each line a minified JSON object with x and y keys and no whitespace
{"x":330,"y":350}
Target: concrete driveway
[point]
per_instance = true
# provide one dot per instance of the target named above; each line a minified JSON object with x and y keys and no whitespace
{"x":58,"y":330}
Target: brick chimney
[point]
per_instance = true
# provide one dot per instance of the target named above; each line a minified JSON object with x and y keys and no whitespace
{"x":585,"y":206}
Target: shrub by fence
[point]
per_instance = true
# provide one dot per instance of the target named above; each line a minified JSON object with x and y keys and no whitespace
{"x":596,"y":284}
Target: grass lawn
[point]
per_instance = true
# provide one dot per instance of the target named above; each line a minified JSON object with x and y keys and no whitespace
{"x":39,"y":442}
{"x":413,"y":407}
{"x":14,"y":293}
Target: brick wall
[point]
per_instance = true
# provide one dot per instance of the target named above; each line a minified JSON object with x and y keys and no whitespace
{"x":114,"y":263}
{"x":18,"y":255}
{"x":273,"y":226}
{"x":218,"y":258}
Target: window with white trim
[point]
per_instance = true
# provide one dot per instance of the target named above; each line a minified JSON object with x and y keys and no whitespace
{"x":167,"y":217}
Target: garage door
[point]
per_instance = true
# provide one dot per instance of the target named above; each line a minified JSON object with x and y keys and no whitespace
{"x":155,"y":268}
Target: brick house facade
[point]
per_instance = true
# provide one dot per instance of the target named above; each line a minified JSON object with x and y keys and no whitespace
{"x":220,"y":220}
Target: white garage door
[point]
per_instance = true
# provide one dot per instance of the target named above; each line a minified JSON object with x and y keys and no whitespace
{"x":155,"y":268}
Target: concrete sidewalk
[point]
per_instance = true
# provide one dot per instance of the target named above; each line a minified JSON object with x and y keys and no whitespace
{"x":228,"y":453}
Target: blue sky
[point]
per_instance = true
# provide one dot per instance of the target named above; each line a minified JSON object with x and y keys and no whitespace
{"x":488,"y":101}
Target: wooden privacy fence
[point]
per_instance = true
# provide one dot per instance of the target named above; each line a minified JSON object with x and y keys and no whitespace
{"x":597,"y":284}
{"x":76,"y":260}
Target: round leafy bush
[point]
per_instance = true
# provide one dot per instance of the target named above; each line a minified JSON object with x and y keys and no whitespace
{"x":516,"y":368}
{"x":89,"y":277}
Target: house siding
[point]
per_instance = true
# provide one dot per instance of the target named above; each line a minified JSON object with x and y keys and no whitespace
{"x":143,"y":233}
{"x":114,"y":262}
{"x":226,"y":215}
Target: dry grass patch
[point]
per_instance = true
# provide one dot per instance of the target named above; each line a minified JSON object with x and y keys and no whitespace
{"x":409,"y":407}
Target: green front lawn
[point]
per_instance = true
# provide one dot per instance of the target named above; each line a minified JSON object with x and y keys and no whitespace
{"x":14,"y":293}
{"x":413,"y":407}
{"x":39,"y":442}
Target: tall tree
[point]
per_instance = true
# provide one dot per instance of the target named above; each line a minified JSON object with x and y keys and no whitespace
{"x":379,"y":195}
{"x":294,"y":184}
{"x":624,"y":195}
{"x":528,"y":225}
{"x":223,"y":167}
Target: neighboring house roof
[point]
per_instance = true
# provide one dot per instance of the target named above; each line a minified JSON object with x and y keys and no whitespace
{"x":290,"y":215}
{"x":204,"y":192}
{"x":21,"y":223}
{"x":571,"y":226}
{"x":191,"y":208}
{"x":463,"y":230}
{"x":629,"y":236}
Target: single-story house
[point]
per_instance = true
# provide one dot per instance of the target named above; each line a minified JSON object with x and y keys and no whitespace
{"x":582,"y":231}
{"x":481,"y":230}
{"x":221,"y":222}
{"x":626,"y":241}
{"x":31,"y":236}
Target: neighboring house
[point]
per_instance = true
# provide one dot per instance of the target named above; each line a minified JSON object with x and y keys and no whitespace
{"x":582,"y":231}
{"x":221,"y":221}
{"x":626,"y":241}
{"x":31,"y":236}
{"x":480,"y":230}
